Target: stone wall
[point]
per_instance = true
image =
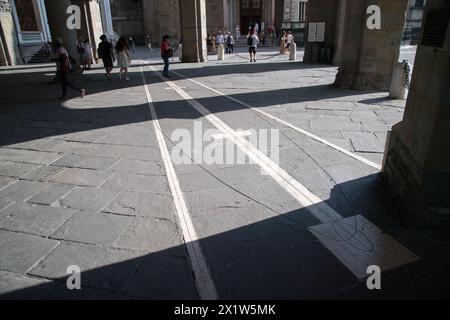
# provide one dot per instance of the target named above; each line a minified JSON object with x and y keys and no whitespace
{"x":169,"y":18}
{"x":417,"y":165}
{"x":127,"y":18}
{"x":215,"y":16}
{"x":321,"y":11}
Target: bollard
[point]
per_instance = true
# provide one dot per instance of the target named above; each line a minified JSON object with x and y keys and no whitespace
{"x":293,"y":51}
{"x":180,"y":52}
{"x":221,"y":52}
{"x":398,"y":89}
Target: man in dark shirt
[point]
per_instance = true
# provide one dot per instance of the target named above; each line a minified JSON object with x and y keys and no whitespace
{"x":106,"y":53}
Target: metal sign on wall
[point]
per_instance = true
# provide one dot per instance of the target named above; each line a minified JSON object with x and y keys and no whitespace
{"x":316,"y":31}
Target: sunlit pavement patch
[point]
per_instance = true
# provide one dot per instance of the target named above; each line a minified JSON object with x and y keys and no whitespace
{"x":358,"y":244}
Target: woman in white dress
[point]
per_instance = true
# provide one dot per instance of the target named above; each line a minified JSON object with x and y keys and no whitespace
{"x":123,"y":57}
{"x":87,"y":57}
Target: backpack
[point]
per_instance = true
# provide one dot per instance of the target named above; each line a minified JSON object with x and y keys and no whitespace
{"x":103,"y":50}
{"x":229,"y":40}
{"x":67,"y":65}
{"x":250,"y":41}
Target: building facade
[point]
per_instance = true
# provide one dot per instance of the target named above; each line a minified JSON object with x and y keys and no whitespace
{"x":413,"y":22}
{"x":139,"y":18}
{"x":26,"y":32}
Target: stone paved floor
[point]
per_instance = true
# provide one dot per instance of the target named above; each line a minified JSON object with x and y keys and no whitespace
{"x":83,"y":183}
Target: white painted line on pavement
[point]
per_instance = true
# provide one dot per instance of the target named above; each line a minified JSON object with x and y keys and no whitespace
{"x":203,"y":280}
{"x":304,"y":132}
{"x":306,"y":198}
{"x":368,"y":244}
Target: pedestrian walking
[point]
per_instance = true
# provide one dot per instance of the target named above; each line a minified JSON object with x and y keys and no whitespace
{"x":214,"y":39}
{"x":88,"y":56}
{"x":274,"y":37}
{"x":80,"y":50}
{"x":123,"y":57}
{"x":220,"y":40}
{"x":230,"y":43}
{"x":132,"y":44}
{"x":252,"y":42}
{"x":209,"y":42}
{"x":238,"y":33}
{"x":63,"y":67}
{"x":283,"y":43}
{"x":166,"y":53}
{"x":289,"y":40}
{"x":148,"y":41}
{"x":106,"y":53}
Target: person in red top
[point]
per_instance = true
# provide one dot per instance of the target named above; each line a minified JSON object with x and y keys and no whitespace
{"x":166,"y":53}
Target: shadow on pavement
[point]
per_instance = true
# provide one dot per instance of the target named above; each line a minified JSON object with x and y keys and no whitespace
{"x":274,"y":258}
{"x":29,"y":109}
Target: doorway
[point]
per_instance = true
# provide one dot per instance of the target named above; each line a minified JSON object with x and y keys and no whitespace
{"x":248,"y":23}
{"x":251,"y":13}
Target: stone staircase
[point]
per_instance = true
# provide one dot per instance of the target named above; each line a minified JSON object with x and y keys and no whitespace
{"x":41,"y":56}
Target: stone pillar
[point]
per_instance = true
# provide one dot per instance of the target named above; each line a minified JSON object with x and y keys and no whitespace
{"x":193,"y":29}
{"x":340,"y":29}
{"x":150,"y":24}
{"x":268,"y":15}
{"x":369,"y":56}
{"x":57,"y":18}
{"x":91,"y":24}
{"x":94,"y":16}
{"x":417,"y":160}
{"x":105,"y":10}
{"x":161,"y":17}
{"x":215,"y":13}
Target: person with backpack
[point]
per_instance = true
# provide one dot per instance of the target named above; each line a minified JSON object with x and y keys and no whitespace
{"x":220,"y":39}
{"x":252,"y":42}
{"x":230,"y":43}
{"x":64,"y":67}
{"x":106,"y":53}
{"x":166,"y":53}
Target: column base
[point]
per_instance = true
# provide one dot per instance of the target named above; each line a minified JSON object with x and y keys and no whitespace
{"x":363,"y":81}
{"x":422,"y":195}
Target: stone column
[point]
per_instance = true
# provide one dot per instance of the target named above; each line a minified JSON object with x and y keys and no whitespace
{"x":94,"y":16}
{"x":417,"y":160}
{"x":369,"y":55}
{"x":193,"y":30}
{"x":105,"y":10}
{"x":340,"y":30}
{"x":57,"y":18}
{"x":226,"y":15}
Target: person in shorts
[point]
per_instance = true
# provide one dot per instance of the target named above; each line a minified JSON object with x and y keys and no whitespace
{"x":252,"y":42}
